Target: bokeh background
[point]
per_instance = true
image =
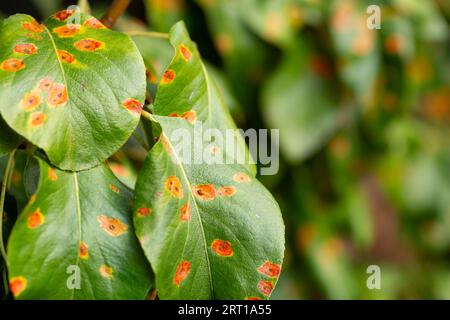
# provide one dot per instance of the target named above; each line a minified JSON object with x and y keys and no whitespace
{"x":364,"y":119}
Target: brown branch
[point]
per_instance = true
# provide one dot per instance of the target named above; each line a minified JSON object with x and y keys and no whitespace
{"x":117,"y":8}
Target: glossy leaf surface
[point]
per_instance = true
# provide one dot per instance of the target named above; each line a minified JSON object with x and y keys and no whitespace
{"x":77,"y":232}
{"x":69,"y":87}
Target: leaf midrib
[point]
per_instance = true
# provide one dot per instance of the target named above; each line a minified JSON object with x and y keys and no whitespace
{"x":78,"y":207}
{"x":185,"y":177}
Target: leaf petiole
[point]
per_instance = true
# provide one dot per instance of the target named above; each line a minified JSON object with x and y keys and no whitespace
{"x":6,"y":178}
{"x":151,"y":34}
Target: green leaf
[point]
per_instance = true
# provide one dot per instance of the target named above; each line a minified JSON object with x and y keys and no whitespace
{"x":187,"y":90}
{"x":79,"y":104}
{"x":209,"y":231}
{"x":77,"y":220}
{"x":8,"y":138}
{"x":162,"y":14}
{"x":296,"y":101}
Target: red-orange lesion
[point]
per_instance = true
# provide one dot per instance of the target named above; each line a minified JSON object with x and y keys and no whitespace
{"x":190,"y":116}
{"x":52,"y":175}
{"x":93,"y":23}
{"x":57,"y":95}
{"x":67,"y":30}
{"x":35,"y":219}
{"x":143,"y":212}
{"x":112,"y":226}
{"x":37,"y":119}
{"x":185,"y":52}
{"x":25,"y":48}
{"x":204,"y":192}
{"x":174,"y":186}
{"x":265,"y":287}
{"x":63,"y":15}
{"x":133,"y":105}
{"x":89,"y":45}
{"x":30,"y":101}
{"x":83,"y":251}
{"x":12,"y":65}
{"x":227,"y":191}
{"x":106,"y":271}
{"x":270,"y":269}
{"x":222,"y":247}
{"x":241,"y":177}
{"x":17,"y":285}
{"x":183,"y":270}
{"x":33,"y":26}
{"x":168,"y":77}
{"x":65,"y":56}
{"x":185,"y":212}
{"x":45,"y":84}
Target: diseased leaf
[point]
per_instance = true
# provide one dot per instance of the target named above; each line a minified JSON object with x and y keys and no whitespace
{"x":8,"y":138}
{"x":70,"y":88}
{"x":186,"y":90}
{"x":210,"y":231}
{"x":77,"y":224}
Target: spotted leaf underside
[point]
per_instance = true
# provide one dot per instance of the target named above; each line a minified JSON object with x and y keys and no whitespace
{"x":75,"y":240}
{"x":70,"y":86}
{"x":210,"y":231}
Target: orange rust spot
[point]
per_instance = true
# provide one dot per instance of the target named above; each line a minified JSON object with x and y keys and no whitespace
{"x":33,"y":26}
{"x":241,"y":177}
{"x":227,"y":191}
{"x":190,"y":116}
{"x":265,"y":287}
{"x":65,"y":56}
{"x":114,"y":188}
{"x":270,"y":269}
{"x":25,"y":48}
{"x":133,"y":105}
{"x":93,"y":23}
{"x":204,"y":192}
{"x":182,"y":272}
{"x":12,"y":65}
{"x":106,"y":271}
{"x":30,"y":101}
{"x":143,"y":212}
{"x":63,"y":14}
{"x":51,"y":173}
{"x":38,"y":119}
{"x":173,"y":185}
{"x":222,"y":248}
{"x":83,"y":251}
{"x":67,"y":30}
{"x":113,"y":227}
{"x":185,"y":52}
{"x":253,"y":298}
{"x":168,"y":77}
{"x":17,"y":285}
{"x":35,"y":219}
{"x":57,"y":96}
{"x":215,"y":150}
{"x":88,"y":45}
{"x":46,"y":83}
{"x":16,"y":177}
{"x":185,"y":212}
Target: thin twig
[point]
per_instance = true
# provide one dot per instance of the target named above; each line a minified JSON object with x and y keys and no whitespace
{"x":6,"y":177}
{"x":151,"y":34}
{"x":117,"y":9}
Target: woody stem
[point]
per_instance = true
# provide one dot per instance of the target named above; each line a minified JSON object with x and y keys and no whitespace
{"x":116,"y":9}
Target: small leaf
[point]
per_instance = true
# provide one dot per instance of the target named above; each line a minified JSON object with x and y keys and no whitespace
{"x":188,"y":91}
{"x":77,"y":224}
{"x":70,"y":88}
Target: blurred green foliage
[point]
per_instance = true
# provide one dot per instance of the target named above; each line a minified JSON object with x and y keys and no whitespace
{"x":364,"y":119}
